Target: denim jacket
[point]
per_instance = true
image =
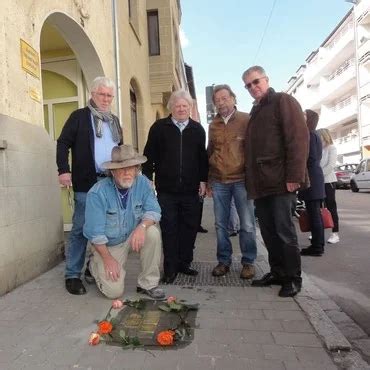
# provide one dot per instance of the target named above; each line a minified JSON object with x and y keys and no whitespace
{"x":107,"y":222}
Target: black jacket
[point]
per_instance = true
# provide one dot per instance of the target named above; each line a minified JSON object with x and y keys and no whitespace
{"x":179,"y":160}
{"x":78,"y":135}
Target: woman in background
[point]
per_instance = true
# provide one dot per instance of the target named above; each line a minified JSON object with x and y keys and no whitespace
{"x":314,"y":195}
{"x":328,"y":162}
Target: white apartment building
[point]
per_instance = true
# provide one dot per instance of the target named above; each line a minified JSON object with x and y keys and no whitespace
{"x":335,"y":82}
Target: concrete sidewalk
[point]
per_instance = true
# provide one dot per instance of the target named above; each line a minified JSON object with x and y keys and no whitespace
{"x":239,"y":327}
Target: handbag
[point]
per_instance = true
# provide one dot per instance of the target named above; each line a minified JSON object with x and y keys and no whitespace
{"x":304,"y":220}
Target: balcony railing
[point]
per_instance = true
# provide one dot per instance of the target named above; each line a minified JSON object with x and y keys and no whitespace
{"x":347,"y":144}
{"x":339,"y":113}
{"x":341,"y":69}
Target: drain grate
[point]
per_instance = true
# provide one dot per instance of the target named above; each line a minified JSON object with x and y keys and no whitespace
{"x":205,"y":276}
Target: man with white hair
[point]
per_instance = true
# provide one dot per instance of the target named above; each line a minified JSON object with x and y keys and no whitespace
{"x":177,"y":156}
{"x":90,"y":133}
{"x":121,"y":211}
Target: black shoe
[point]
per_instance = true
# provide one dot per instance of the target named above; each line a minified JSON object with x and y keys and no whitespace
{"x":266,"y":280}
{"x":201,"y":229}
{"x":233,"y":233}
{"x":88,"y":277}
{"x":75,"y":286}
{"x":189,"y":271}
{"x":288,"y":290}
{"x":169,"y":279}
{"x":311,"y":251}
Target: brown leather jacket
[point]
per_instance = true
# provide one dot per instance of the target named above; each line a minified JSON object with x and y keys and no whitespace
{"x":226,"y":144}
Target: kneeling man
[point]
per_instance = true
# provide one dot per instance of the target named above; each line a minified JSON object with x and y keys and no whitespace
{"x":121,"y":213}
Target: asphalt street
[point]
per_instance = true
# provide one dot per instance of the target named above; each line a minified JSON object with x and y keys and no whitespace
{"x":343,"y":272}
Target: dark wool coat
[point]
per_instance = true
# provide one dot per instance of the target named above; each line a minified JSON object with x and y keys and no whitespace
{"x":78,"y":135}
{"x":276,"y":146}
{"x":317,"y":186}
{"x":179,"y":160}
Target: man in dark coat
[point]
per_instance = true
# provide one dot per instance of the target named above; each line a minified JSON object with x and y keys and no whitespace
{"x":276,"y":155}
{"x":90,"y":133}
{"x":177,"y":155}
{"x":316,"y":192}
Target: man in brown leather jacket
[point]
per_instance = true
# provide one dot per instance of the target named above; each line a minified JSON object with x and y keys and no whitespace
{"x":276,"y":151}
{"x":226,"y":180}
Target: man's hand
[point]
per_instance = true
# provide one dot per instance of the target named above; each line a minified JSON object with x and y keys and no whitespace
{"x":65,"y":179}
{"x":209,"y":191}
{"x":112,"y":267}
{"x":292,"y":186}
{"x":137,"y":238}
{"x":202,"y":189}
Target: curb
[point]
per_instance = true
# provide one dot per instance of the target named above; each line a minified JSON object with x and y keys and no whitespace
{"x":309,"y":300}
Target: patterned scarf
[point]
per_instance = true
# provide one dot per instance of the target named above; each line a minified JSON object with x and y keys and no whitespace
{"x":112,"y":120}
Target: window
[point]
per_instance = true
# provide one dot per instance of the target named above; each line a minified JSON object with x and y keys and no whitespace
{"x":153,"y":32}
{"x":134,"y":132}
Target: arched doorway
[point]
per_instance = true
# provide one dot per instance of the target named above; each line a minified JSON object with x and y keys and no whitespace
{"x":69,"y":63}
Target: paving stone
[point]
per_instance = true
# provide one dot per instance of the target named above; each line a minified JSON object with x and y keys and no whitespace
{"x":317,"y":356}
{"x":213,"y":349}
{"x":297,"y":339}
{"x":277,"y":352}
{"x":260,"y":337}
{"x":229,"y":336}
{"x":297,"y":326}
{"x":264,"y":364}
{"x":246,"y":350}
{"x":299,"y":365}
{"x":268,"y":325}
{"x":284,"y":315}
{"x":241,"y":324}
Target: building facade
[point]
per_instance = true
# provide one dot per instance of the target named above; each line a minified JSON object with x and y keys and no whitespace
{"x":50,"y":53}
{"x":333,"y":83}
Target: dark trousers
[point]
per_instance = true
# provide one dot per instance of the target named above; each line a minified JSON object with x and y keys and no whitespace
{"x":179,"y":225}
{"x":274,"y":213}
{"x":331,"y":204}
{"x":317,"y":226}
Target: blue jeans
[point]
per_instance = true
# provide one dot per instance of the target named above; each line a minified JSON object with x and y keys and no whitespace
{"x":75,"y":254}
{"x":222,"y":194}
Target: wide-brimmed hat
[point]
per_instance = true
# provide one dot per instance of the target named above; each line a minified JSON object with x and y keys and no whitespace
{"x":124,"y":156}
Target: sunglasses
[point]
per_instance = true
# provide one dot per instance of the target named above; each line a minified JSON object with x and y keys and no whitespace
{"x":253,"y":83}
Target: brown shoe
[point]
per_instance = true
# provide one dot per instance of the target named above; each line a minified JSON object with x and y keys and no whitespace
{"x":220,"y":270}
{"x":248,"y":271}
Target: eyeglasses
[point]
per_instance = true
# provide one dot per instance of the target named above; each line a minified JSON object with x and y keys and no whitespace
{"x":254,"y":82}
{"x":102,"y":95}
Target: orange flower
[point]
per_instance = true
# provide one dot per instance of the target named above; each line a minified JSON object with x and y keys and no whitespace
{"x":171,"y":299}
{"x":105,"y":327}
{"x":165,"y":338}
{"x":117,"y":304}
{"x":94,"y":339}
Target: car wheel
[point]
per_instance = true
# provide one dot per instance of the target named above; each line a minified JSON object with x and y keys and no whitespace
{"x":354,"y":187}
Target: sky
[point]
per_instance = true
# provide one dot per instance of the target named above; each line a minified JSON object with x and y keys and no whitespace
{"x":220,"y":40}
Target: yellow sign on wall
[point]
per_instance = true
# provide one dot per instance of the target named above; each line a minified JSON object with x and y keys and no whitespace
{"x":34,"y":94}
{"x":30,"y":59}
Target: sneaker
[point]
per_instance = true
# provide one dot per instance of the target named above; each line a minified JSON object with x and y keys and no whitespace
{"x":334,"y":238}
{"x":248,"y":272}
{"x":155,"y":293}
{"x":88,"y":277}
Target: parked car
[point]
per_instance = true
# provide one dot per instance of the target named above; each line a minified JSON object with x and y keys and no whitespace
{"x":361,"y":178}
{"x":344,"y":173}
